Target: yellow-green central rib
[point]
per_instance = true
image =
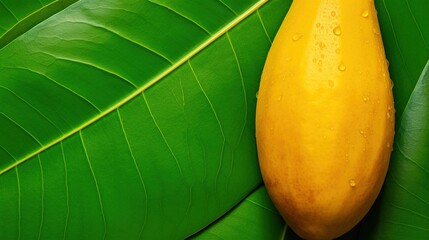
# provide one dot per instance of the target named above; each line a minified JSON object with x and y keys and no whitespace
{"x":192,"y":53}
{"x":32,"y":20}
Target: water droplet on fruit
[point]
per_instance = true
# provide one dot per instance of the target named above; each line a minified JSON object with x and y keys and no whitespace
{"x":365,"y":99}
{"x":342,"y":67}
{"x":388,"y":145}
{"x":352,"y":183}
{"x":333,"y":13}
{"x":297,"y":36}
{"x":257,"y":94}
{"x":331,"y":83}
{"x":279,"y":98}
{"x":388,"y":115}
{"x":337,"y":50}
{"x":337,"y":31}
{"x":317,"y":24}
{"x":365,"y":14}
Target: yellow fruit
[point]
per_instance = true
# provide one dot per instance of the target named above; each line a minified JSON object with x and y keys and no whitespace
{"x":325,"y":117}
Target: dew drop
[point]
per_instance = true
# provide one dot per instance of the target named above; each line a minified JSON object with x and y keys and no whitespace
{"x":331,"y":83}
{"x":257,"y":94}
{"x":297,"y":36}
{"x":337,"y":51}
{"x":271,"y":129}
{"x":337,"y":31}
{"x":365,"y":99}
{"x":342,"y":67}
{"x":361,"y":132}
{"x":388,"y":145}
{"x":317,"y":24}
{"x":279,"y":98}
{"x":365,"y":14}
{"x":388,"y":115}
{"x":352,"y":183}
{"x":333,"y":13}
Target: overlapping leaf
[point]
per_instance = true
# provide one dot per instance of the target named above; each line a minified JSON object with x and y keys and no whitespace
{"x":254,"y":218}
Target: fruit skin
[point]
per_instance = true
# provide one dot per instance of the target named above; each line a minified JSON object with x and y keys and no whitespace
{"x":325,"y":116}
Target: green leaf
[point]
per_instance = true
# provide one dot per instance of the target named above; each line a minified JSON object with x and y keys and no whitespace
{"x":13,"y":12}
{"x":402,"y":211}
{"x":16,"y":18}
{"x":253,"y":218}
{"x":131,"y":119}
{"x":405,"y":30}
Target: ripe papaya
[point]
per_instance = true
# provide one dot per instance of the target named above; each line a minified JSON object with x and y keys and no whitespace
{"x":325,"y":116}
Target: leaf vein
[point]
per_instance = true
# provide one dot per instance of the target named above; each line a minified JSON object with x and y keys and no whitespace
{"x":60,"y":85}
{"x":32,"y":107}
{"x":8,"y":9}
{"x":22,"y":128}
{"x":263,"y":26}
{"x":138,"y":172}
{"x":42,"y":198}
{"x":409,"y":158}
{"x":127,"y":38}
{"x":67,"y":191}
{"x":162,"y":134}
{"x":96,"y":185}
{"x":151,"y":82}
{"x":217,"y":119}
{"x":181,"y":15}
{"x":400,"y":185}
{"x":418,"y":26}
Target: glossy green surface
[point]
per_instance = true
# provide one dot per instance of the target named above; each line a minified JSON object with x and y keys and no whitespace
{"x":12,"y":12}
{"x":253,"y":218}
{"x":405,"y":30}
{"x":132,"y":119}
{"x":135,"y":119}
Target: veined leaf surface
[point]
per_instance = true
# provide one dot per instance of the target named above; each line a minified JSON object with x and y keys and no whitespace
{"x":131,"y":119}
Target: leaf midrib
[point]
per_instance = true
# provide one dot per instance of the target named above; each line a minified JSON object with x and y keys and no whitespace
{"x":140,"y":90}
{"x":35,"y":18}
